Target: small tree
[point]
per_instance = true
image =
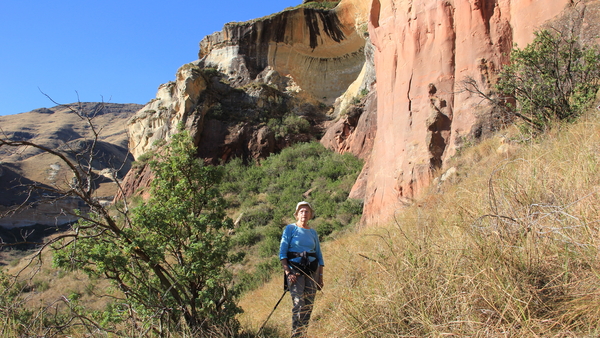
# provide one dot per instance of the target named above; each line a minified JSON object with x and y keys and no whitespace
{"x":170,"y":258}
{"x":553,"y":78}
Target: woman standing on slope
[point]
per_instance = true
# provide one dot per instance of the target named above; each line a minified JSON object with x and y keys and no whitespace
{"x":302,"y":262}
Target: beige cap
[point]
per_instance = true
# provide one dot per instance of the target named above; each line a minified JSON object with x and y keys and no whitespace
{"x":312,"y":211}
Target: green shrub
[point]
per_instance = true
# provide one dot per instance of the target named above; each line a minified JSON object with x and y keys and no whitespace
{"x":553,"y":78}
{"x":211,"y":72}
{"x":174,"y":251}
{"x":15,"y":315}
{"x":321,"y":5}
{"x":324,"y":228}
{"x":41,"y":285}
{"x":296,"y":124}
{"x":143,"y":159}
{"x":245,"y":236}
{"x":277,"y":127}
{"x":217,"y":112}
{"x":113,"y":314}
{"x":260,"y":215}
{"x":269,"y":247}
{"x":290,"y":124}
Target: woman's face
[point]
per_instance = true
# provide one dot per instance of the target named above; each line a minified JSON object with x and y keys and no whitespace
{"x":304,"y":213}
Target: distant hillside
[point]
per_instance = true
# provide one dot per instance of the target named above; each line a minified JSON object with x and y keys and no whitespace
{"x":60,"y":128}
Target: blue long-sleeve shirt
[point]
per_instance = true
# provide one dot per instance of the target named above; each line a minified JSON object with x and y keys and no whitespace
{"x":297,"y":239}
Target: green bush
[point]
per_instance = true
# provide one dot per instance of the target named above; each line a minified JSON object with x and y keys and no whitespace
{"x":41,"y":285}
{"x":553,"y":78}
{"x":267,"y":194}
{"x":245,"y":236}
{"x":257,"y":216}
{"x":269,"y":247}
{"x":321,"y":5}
{"x":323,"y":228}
{"x":145,"y":157}
{"x":15,"y":315}
{"x":290,"y":124}
{"x":217,"y":112}
{"x":174,"y":250}
{"x":296,"y":124}
{"x":211,"y":72}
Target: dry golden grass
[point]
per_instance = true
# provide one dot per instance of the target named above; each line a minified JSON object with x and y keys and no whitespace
{"x":48,"y":286}
{"x":507,"y":247}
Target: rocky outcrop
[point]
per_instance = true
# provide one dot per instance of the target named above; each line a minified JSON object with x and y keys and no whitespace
{"x":136,"y":183}
{"x":310,"y":54}
{"x":224,"y":121}
{"x":295,"y":62}
{"x":176,"y":104}
{"x":423,"y":50}
{"x":355,"y":130}
{"x":319,"y":49}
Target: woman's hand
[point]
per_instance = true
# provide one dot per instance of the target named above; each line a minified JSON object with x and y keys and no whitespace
{"x":320,"y":277}
{"x":292,"y":278}
{"x":320,"y":282}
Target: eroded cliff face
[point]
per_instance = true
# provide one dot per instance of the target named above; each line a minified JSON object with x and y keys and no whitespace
{"x":423,"y":49}
{"x":320,"y":50}
{"x":296,"y":61}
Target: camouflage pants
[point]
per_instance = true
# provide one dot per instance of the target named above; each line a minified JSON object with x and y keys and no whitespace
{"x":303,"y":295}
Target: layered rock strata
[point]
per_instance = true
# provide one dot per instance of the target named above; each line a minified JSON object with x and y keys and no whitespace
{"x":319,"y":49}
{"x":48,"y":214}
{"x":58,"y":128}
{"x":292,"y":61}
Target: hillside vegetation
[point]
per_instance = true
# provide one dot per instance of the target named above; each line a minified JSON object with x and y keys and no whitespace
{"x":74,"y":293}
{"x":507,"y":246}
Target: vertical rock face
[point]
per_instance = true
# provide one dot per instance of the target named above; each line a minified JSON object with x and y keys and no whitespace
{"x":423,"y":49}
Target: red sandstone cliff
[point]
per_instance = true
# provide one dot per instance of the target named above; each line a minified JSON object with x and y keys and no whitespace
{"x":423,"y":49}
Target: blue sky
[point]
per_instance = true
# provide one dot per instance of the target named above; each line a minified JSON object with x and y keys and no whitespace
{"x":112,"y":51}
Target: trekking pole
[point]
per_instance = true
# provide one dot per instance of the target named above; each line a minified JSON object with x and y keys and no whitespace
{"x":276,"y":305}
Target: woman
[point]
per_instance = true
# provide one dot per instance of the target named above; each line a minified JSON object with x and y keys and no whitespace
{"x":302,"y":262}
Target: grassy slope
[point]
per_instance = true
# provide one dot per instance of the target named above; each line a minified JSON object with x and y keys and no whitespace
{"x":505,"y":247}
{"x":521,"y":261}
{"x":50,"y":286}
